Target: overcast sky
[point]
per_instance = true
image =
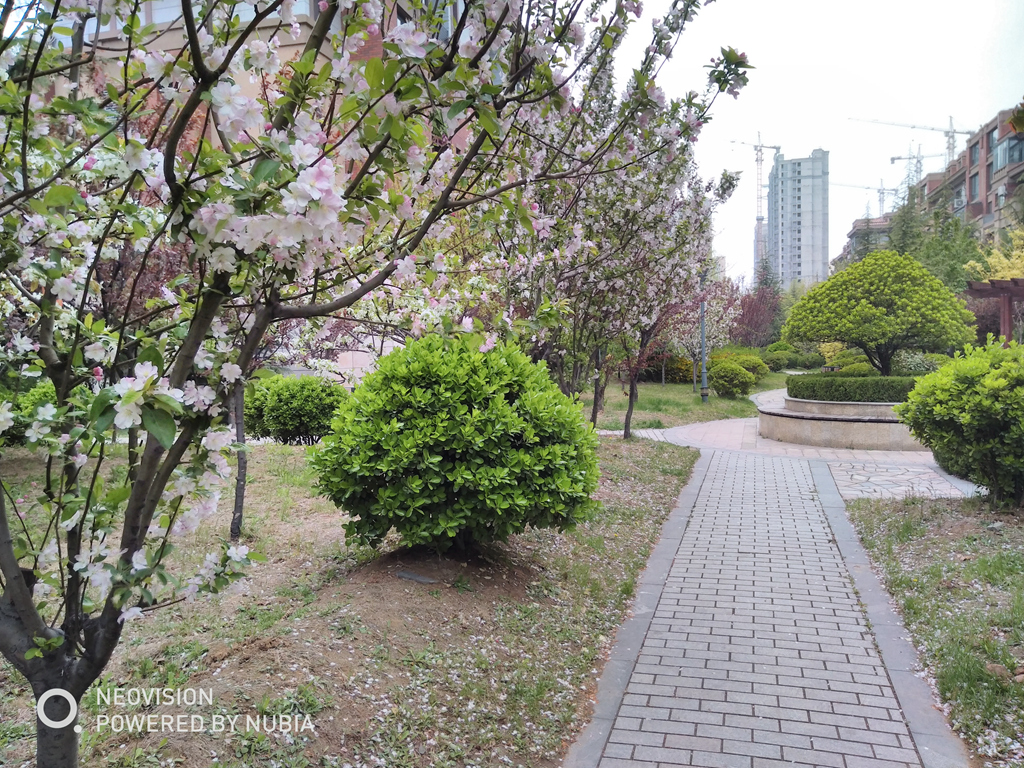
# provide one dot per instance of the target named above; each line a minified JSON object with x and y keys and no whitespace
{"x":820,"y":63}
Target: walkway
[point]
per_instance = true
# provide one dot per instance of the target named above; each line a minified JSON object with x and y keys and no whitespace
{"x":759,"y":632}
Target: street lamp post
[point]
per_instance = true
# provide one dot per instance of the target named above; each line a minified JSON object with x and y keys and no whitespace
{"x":703,"y":349}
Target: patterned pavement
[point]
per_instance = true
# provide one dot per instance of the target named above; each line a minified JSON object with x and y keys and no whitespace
{"x":760,"y":637}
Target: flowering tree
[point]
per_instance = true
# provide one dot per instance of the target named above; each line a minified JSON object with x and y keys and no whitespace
{"x":760,"y":315}
{"x":306,"y":186}
{"x":613,"y":255}
{"x":721,"y":306}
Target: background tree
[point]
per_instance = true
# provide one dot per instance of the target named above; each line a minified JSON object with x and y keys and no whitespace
{"x":759,"y":322}
{"x":883,"y":304}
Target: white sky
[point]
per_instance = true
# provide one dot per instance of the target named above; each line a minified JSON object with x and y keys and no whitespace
{"x":820,"y":63}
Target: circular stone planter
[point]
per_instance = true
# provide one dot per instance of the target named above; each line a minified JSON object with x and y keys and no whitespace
{"x":864,"y":426}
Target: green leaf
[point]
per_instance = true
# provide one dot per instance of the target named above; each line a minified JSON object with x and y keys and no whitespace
{"x":59,"y":196}
{"x":160,"y":424}
{"x":152,"y":355}
{"x":374,"y":74}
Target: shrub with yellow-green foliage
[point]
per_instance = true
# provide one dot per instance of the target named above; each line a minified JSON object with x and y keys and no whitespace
{"x":970,"y":413}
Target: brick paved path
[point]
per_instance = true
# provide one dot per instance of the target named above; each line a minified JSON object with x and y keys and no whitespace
{"x":758,"y":654}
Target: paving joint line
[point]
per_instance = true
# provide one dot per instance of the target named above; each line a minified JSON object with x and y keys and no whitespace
{"x":937,"y":745}
{"x":588,"y":748}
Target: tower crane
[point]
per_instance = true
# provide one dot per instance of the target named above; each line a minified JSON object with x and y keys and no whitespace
{"x":759,"y":149}
{"x":881,"y":189}
{"x":915,"y":165}
{"x":951,"y":133}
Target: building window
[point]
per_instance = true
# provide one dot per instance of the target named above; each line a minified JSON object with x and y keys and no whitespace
{"x":974,"y":154}
{"x":974,"y":187}
{"x":993,"y":136}
{"x":988,"y":176}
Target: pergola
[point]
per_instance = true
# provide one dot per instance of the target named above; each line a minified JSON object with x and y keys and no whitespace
{"x":1007,"y":291}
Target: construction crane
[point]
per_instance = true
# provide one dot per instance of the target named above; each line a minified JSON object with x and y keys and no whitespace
{"x":915,"y":165}
{"x":759,"y":149}
{"x":951,"y":133}
{"x":881,"y":189}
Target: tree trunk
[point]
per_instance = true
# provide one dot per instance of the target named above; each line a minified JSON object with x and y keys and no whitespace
{"x":626,"y":433}
{"x":885,"y":364}
{"x":56,"y":747}
{"x":599,"y":386}
{"x":664,"y":361}
{"x":239,"y":418}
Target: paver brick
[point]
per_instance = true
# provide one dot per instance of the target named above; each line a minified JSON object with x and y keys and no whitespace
{"x":758,"y":654}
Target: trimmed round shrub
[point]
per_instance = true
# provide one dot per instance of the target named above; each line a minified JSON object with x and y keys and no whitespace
{"x":837,"y":388}
{"x":780,"y":346}
{"x":859,"y":369}
{"x":849,"y":357}
{"x":297,"y":410}
{"x":751,"y":364}
{"x":448,"y":444}
{"x":776,"y":361}
{"x":810,"y":361}
{"x":255,"y":406}
{"x":970,"y":413}
{"x":729,"y":379}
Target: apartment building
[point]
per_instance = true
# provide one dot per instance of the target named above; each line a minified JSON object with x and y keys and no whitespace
{"x":797,"y":236}
{"x":981,"y":185}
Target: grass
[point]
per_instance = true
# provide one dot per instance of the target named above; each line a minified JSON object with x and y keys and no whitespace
{"x":494,"y":664}
{"x":956,"y":571}
{"x":674,"y":405}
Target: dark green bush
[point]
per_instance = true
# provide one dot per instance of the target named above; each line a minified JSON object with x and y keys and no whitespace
{"x":776,"y":361}
{"x":810,"y":361}
{"x":678,"y":370}
{"x":255,"y":406}
{"x":729,"y":379}
{"x":449,"y":444}
{"x":751,"y":364}
{"x":858,"y":369}
{"x":970,"y":413}
{"x":849,"y":357}
{"x":294,"y":409}
{"x":780,"y":346}
{"x":850,"y":389}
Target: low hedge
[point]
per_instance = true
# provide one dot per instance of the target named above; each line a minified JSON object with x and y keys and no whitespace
{"x":850,"y":389}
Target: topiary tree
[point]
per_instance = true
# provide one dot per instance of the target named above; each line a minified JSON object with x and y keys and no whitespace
{"x":970,"y":413}
{"x":882,"y":304}
{"x":729,"y":380}
{"x":451,"y":442}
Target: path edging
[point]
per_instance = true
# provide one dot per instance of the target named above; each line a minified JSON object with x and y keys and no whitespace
{"x":589,"y":746}
{"x":937,"y":745}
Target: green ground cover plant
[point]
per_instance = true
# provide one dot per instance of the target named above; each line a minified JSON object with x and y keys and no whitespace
{"x":956,"y":573}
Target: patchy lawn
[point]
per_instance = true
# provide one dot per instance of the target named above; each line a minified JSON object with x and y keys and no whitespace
{"x":956,"y":572}
{"x":674,"y":405}
{"x":490,"y":662}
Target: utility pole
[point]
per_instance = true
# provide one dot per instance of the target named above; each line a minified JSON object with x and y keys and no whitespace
{"x":703,"y":349}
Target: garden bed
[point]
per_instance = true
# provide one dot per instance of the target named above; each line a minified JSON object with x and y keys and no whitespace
{"x":955,"y":571}
{"x":493,"y":661}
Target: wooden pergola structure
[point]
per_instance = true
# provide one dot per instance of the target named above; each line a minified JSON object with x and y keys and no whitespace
{"x":1007,"y":291}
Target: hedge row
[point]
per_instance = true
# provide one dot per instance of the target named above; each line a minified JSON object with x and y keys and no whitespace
{"x":846,"y":389}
